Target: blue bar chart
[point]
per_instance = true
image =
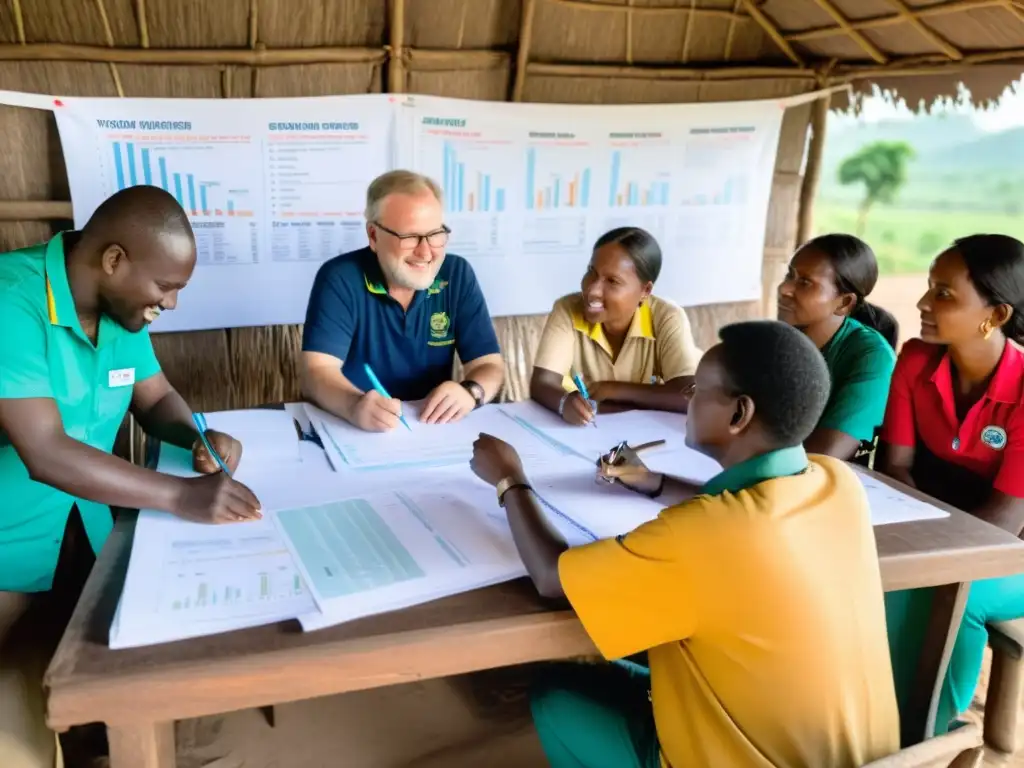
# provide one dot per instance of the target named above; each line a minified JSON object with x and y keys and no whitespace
{"x":729,"y":191}
{"x":199,"y":196}
{"x":468,"y":190}
{"x":636,"y":186}
{"x":559,"y":188}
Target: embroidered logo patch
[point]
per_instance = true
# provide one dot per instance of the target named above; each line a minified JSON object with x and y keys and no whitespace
{"x":439,"y":325}
{"x":994,"y":437}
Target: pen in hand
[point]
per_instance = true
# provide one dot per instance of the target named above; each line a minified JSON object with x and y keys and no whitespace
{"x":578,"y":381}
{"x":379,"y":388}
{"x":200,"y":421}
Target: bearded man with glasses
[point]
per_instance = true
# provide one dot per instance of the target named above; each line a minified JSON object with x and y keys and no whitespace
{"x":404,"y":308}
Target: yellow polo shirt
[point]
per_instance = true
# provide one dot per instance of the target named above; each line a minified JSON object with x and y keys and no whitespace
{"x":760,"y":605}
{"x":659,"y":344}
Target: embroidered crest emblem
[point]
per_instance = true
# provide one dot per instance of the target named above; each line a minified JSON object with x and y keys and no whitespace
{"x":439,"y":325}
{"x":994,"y":437}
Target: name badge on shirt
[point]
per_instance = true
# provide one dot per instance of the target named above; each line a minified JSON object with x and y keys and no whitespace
{"x":122,"y":377}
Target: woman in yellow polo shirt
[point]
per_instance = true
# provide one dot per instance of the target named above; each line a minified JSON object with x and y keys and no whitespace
{"x":632,"y":349}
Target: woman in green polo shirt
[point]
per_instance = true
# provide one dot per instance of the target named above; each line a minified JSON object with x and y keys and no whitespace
{"x":824,"y":295}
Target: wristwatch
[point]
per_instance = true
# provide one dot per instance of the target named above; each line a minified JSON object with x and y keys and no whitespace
{"x":505,"y":485}
{"x":475,"y":390}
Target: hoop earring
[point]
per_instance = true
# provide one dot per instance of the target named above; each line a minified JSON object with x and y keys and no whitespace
{"x":986,"y":330}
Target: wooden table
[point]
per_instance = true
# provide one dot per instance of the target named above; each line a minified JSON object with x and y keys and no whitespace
{"x":140,"y":692}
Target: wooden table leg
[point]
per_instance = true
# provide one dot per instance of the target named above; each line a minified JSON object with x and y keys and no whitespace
{"x":147,"y":745}
{"x":948,"y":604}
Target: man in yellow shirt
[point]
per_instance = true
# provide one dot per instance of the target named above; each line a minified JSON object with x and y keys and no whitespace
{"x":758,"y":601}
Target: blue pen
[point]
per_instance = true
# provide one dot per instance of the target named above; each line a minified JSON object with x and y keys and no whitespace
{"x":200,"y":421}
{"x":578,"y":381}
{"x":381,"y":391}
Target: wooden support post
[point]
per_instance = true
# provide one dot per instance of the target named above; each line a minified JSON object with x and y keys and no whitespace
{"x":812,"y":171}
{"x":396,"y":62}
{"x":142,"y":745}
{"x":523,"y":54}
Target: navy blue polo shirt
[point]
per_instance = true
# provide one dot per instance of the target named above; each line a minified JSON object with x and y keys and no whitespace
{"x":351,"y":316}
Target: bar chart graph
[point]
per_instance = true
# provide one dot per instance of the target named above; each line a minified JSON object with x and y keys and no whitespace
{"x":641,"y":184}
{"x":558,"y":188}
{"x":199,"y":196}
{"x":467,"y":190}
{"x":728,"y":191}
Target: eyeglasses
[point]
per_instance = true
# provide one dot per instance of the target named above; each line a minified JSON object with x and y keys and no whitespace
{"x":436,"y":239}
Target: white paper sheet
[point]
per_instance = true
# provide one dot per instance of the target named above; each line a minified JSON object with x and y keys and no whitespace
{"x":268,"y":436}
{"x":383,"y":551}
{"x":890,"y":505}
{"x":190,"y":579}
{"x":425,"y":446}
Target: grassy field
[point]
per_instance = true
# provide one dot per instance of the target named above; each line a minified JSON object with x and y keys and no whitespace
{"x":906,"y":241}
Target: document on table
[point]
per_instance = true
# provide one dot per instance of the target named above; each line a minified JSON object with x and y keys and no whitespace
{"x":592,"y":441}
{"x":892,"y":505}
{"x":429,"y":445}
{"x":268,"y":436}
{"x":383,"y":551}
{"x":191,"y":579}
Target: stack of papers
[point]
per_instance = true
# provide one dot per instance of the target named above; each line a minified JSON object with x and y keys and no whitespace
{"x":358,"y":527}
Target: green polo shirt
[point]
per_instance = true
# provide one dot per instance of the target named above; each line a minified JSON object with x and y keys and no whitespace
{"x":757,"y":469}
{"x":860,"y":363}
{"x":45,"y":353}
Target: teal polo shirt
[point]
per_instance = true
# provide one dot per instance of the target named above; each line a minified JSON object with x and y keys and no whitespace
{"x":860,"y":363}
{"x":44,"y":353}
{"x":757,"y":469}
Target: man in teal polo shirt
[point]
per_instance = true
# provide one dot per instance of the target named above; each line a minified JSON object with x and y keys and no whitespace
{"x":75,"y":356}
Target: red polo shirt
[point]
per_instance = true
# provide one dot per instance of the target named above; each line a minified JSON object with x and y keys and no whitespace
{"x":989,"y":442}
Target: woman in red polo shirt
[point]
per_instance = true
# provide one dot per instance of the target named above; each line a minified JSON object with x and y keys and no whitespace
{"x":954,"y":425}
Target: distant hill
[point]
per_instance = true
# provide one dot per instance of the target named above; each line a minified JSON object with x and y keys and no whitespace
{"x":1003,"y":151}
{"x":957,"y":166}
{"x":926,"y":134}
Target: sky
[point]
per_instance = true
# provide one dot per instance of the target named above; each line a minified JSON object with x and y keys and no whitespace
{"x":1008,"y":114}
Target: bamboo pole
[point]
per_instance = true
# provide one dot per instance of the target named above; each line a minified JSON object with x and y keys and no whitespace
{"x":443,"y":60}
{"x":597,"y":5}
{"x":19,"y":21}
{"x":35,"y":210}
{"x":396,"y":65}
{"x":143,"y":22}
{"x":876,"y":22}
{"x":812,"y":171}
{"x":187,"y":56}
{"x":869,"y":48}
{"x":254,"y":23}
{"x":930,"y":35}
{"x":523,"y":65}
{"x":772,"y":31}
{"x":668,"y":73}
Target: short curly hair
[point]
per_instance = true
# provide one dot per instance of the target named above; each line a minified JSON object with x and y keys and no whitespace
{"x":781,"y":370}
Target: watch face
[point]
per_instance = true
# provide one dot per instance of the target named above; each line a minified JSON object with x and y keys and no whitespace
{"x":475,"y":390}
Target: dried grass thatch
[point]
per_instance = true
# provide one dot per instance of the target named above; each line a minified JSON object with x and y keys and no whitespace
{"x":582,"y":51}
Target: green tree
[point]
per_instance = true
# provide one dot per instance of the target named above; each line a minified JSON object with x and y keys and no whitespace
{"x":882,"y":168}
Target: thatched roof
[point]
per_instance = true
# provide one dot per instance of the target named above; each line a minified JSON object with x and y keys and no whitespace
{"x":534,"y":50}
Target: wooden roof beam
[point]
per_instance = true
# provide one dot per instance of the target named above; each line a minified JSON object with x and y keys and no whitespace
{"x":929,"y":34}
{"x":870,"y":48}
{"x":875,"y":22}
{"x":772,"y":31}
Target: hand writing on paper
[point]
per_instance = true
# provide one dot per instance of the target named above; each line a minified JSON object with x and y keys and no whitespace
{"x":230,"y":451}
{"x":494,"y":459}
{"x":376,"y":413}
{"x":216,"y":498}
{"x":628,"y":470}
{"x":449,"y":402}
{"x":577,"y":411}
